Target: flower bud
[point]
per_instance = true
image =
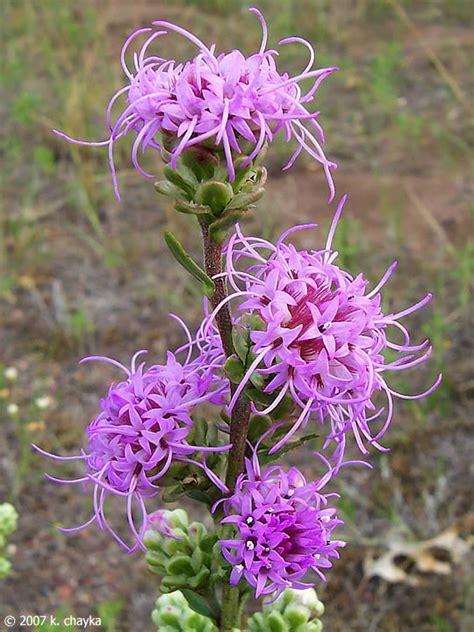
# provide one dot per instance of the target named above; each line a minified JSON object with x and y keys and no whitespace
{"x":179,"y":551}
{"x":8,"y":519}
{"x":293,"y":610}
{"x":172,"y":612}
{"x":216,"y":195}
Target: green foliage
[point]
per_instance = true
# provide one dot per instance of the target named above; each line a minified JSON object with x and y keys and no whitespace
{"x":440,"y":624}
{"x":25,"y":108}
{"x":109,"y":613}
{"x":45,"y":159}
{"x":384,"y":78}
{"x":461,"y":271}
{"x":49,"y":47}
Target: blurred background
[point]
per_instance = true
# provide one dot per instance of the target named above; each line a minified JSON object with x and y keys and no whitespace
{"x":81,"y":273}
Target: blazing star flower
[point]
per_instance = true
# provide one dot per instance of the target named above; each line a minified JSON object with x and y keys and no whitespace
{"x":225,"y":99}
{"x":142,"y":427}
{"x":284,"y":529}
{"x":322,"y":336}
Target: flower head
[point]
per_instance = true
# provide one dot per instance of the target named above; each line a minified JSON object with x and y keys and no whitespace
{"x":322,"y":337}
{"x":142,"y":427}
{"x":225,"y":99}
{"x":284,"y":529}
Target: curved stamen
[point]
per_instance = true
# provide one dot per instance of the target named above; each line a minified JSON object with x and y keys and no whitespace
{"x":301,"y":40}
{"x":128,"y":41}
{"x":263,"y":44}
{"x":334,"y":223}
{"x":192,"y":38}
{"x":107,"y":360}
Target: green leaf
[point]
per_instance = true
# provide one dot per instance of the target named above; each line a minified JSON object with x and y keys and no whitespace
{"x":241,"y":173}
{"x":244,"y":200}
{"x":167,"y":188}
{"x":170,"y":583}
{"x":290,"y":445}
{"x":200,"y":579}
{"x":189,"y":208}
{"x":201,"y":161}
{"x":200,"y":496}
{"x":234,"y":369}
{"x":218,"y":229}
{"x":241,"y":342}
{"x":208,"y":542}
{"x":155,"y":558}
{"x":197,"y":559}
{"x":188,"y":263}
{"x":257,"y":426}
{"x":172,"y":493}
{"x":283,"y":409}
{"x":178,"y":178}
{"x":197,"y":602}
{"x":180,"y":565}
{"x":276,"y":622}
{"x":259,"y":396}
{"x":295,"y":616}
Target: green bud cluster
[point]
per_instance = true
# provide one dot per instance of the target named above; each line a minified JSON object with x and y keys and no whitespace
{"x":8,"y":524}
{"x":293,"y":611}
{"x":173,"y":614}
{"x":184,"y":563}
{"x":200,"y":186}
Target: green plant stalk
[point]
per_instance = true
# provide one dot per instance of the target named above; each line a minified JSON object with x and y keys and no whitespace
{"x":231,"y":610}
{"x":213,"y":266}
{"x":240,"y":417}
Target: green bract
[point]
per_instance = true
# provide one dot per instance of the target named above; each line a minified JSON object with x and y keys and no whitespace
{"x":293,"y":611}
{"x":184,"y":563}
{"x":200,"y":185}
{"x":173,"y":614}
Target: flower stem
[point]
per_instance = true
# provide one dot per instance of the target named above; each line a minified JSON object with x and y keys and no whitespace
{"x":230,"y":609}
{"x":213,"y":266}
{"x":239,"y":422}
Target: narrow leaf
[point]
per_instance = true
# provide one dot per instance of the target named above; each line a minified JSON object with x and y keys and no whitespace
{"x":244,"y":200}
{"x":167,"y":188}
{"x":197,"y":602}
{"x":193,"y":209}
{"x":188,"y":263}
{"x":265,"y":458}
{"x":218,"y":229}
{"x":179,"y":180}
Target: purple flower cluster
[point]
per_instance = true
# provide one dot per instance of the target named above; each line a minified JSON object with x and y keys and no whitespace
{"x":323,"y":336}
{"x":142,"y":427}
{"x":313,"y":332}
{"x":225,"y":99}
{"x":283,"y":529}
